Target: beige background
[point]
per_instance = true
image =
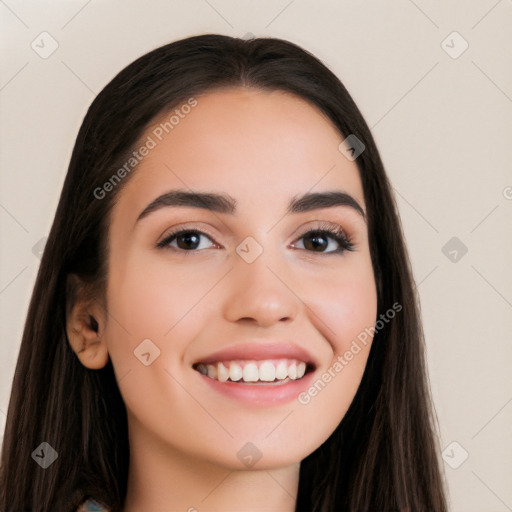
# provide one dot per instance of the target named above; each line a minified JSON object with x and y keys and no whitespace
{"x":443,"y":126}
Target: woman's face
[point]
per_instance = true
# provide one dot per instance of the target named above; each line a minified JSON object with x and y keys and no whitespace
{"x":245,"y":293}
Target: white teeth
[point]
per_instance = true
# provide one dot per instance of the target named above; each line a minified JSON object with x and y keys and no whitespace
{"x":250,"y":372}
{"x":281,"y":370}
{"x":235,"y":372}
{"x":212,"y":371}
{"x":254,"y":371}
{"x":267,"y":372}
{"x":222,"y":373}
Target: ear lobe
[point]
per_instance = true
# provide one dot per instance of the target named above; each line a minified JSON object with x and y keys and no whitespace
{"x":85,"y":329}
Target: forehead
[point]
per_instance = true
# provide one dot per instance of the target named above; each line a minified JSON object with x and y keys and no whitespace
{"x":256,"y":145}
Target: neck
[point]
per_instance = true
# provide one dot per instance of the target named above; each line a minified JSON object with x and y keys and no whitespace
{"x":163,"y":479}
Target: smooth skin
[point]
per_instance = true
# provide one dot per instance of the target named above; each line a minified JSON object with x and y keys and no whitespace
{"x":262,"y":148}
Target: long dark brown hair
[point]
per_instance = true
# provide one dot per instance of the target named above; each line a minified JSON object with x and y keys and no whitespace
{"x":382,"y":457}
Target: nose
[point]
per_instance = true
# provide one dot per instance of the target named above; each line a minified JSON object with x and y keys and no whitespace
{"x":261,"y":294}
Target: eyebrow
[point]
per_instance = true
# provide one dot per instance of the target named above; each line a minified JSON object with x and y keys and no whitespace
{"x":224,"y":203}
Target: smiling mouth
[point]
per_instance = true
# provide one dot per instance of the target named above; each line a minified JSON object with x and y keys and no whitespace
{"x":270,"y":371}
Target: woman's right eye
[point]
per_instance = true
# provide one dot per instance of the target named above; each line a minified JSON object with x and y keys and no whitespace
{"x":186,"y":240}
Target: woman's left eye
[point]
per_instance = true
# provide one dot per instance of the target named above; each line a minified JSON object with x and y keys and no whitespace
{"x":189,"y":240}
{"x":318,"y":239}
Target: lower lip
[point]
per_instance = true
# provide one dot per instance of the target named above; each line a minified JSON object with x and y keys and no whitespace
{"x":265,"y":395}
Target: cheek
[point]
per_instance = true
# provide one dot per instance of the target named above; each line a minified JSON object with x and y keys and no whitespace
{"x":155,"y":307}
{"x":149,"y":300}
{"x":345,"y":303}
{"x":354,"y":312}
{"x":154,"y":313}
{"x":345,"y":314}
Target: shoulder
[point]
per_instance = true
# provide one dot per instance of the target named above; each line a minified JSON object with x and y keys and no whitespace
{"x":91,"y":505}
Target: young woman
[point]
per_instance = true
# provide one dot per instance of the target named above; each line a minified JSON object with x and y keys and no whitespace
{"x":224,"y":316}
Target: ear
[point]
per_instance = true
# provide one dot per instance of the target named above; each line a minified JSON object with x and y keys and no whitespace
{"x":85,"y":325}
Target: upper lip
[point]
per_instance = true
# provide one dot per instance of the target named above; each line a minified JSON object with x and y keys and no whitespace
{"x":259,"y":351}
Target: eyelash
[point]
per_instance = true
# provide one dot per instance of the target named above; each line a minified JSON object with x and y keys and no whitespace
{"x":334,"y":232}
